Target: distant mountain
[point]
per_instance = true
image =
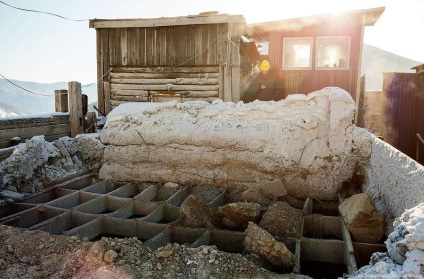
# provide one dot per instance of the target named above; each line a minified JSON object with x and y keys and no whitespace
{"x":10,"y":111}
{"x":15,"y":101}
{"x":376,"y":61}
{"x":32,"y":104}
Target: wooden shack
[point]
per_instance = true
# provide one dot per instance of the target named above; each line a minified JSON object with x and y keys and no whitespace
{"x":313,"y":52}
{"x":183,"y":58}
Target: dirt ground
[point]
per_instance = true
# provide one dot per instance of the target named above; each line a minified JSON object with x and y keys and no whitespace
{"x":36,"y":254}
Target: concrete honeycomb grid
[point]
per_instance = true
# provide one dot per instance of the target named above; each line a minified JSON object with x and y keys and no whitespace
{"x":92,"y":209}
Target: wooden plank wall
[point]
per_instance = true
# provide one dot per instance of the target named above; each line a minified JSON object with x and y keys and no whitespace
{"x":141,"y":84}
{"x":184,"y":46}
{"x":306,"y":81}
{"x":398,"y":115}
{"x":52,"y":128}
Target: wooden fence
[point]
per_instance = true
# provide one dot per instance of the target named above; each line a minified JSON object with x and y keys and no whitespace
{"x":402,"y":115}
{"x":52,"y":126}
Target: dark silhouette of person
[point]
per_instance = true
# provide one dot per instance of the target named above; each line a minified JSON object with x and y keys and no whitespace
{"x":265,"y":83}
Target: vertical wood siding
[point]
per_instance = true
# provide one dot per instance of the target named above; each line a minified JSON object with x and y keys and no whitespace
{"x":398,"y":111}
{"x":167,"y":46}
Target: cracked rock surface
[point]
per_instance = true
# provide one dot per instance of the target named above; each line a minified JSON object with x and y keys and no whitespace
{"x":307,"y":142}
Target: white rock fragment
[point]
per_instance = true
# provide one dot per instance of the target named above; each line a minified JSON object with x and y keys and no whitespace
{"x":402,"y":247}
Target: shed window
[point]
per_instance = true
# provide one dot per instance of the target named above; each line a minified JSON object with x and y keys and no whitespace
{"x":297,"y":53}
{"x":333,"y":53}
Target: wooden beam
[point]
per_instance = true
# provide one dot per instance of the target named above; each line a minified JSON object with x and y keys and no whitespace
{"x":235,"y":84}
{"x":75,"y":108}
{"x":221,"y":82}
{"x":164,"y":87}
{"x":124,"y":47}
{"x":170,"y":21}
{"x":29,"y":132}
{"x":61,"y":100}
{"x":106,"y":87}
{"x":227,"y":84}
{"x":358,"y":73}
{"x":143,"y":93}
{"x":129,"y":98}
{"x":100,"y":62}
{"x":34,"y":121}
{"x":184,"y":81}
{"x":166,"y":75}
{"x":198,"y":69}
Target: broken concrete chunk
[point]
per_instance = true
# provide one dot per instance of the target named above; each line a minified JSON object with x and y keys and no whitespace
{"x":283,"y":220}
{"x":196,"y":213}
{"x":11,"y":194}
{"x":238,"y":215}
{"x":363,"y":220}
{"x":110,"y":256}
{"x":274,"y":188}
{"x":262,"y":243}
{"x":256,"y":196}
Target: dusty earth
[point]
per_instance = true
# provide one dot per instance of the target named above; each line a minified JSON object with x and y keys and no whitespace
{"x":35,"y":254}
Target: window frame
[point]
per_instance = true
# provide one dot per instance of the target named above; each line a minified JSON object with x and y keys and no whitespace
{"x":311,"y":40}
{"x":347,"y":68}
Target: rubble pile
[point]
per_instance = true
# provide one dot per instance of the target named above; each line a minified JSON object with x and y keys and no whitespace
{"x":35,"y":254}
{"x":37,"y":162}
{"x":405,"y":246}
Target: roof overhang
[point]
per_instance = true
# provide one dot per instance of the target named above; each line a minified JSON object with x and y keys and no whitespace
{"x":369,"y":18}
{"x":202,"y":18}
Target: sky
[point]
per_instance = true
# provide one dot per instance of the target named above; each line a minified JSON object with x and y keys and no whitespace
{"x":46,"y":49}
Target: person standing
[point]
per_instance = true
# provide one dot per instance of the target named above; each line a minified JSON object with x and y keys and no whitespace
{"x":265,"y":83}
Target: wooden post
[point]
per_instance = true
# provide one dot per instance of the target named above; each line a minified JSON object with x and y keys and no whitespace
{"x":106,"y":88}
{"x":235,"y":84}
{"x":61,"y":100}
{"x":227,"y":85}
{"x":91,"y":122}
{"x":75,"y":108}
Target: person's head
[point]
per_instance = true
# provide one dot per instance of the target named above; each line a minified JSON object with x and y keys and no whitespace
{"x":264,"y":66}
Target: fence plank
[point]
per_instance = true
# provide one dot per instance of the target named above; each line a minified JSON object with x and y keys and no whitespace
{"x":106,"y":86}
{"x":75,"y":108}
{"x":181,"y":80}
{"x":162,"y":75}
{"x":129,"y":98}
{"x":122,"y":92}
{"x":165,"y":87}
{"x":61,"y":100}
{"x":199,"y":69}
{"x":29,"y":132}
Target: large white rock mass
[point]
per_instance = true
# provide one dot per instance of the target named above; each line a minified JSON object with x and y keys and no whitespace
{"x":306,"y":141}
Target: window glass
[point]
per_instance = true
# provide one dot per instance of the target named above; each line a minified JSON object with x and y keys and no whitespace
{"x":333,"y":52}
{"x":297,"y":53}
